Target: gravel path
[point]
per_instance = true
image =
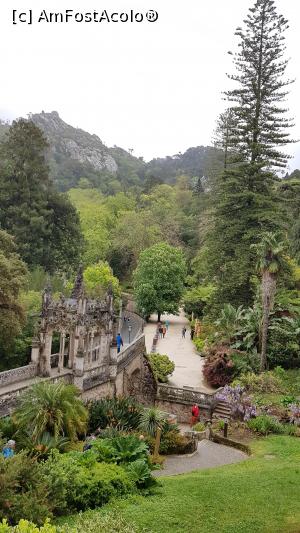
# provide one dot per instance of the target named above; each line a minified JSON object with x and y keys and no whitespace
{"x":208,"y":455}
{"x":188,"y":364}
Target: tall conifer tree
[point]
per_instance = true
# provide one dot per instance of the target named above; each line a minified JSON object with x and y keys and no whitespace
{"x":245,"y":198}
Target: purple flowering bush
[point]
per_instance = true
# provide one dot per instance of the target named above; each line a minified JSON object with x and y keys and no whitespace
{"x":295,"y":414}
{"x":241,"y":405}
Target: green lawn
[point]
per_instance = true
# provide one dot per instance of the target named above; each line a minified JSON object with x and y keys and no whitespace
{"x":261,"y":494}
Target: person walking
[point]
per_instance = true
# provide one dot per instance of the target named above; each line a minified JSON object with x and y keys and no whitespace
{"x":9,"y":449}
{"x":167,"y":324}
{"x":119,"y":342}
{"x":164,"y":331}
{"x":183,"y":332}
{"x":195,"y":414}
{"x":160,"y":330}
{"x":192,"y":333}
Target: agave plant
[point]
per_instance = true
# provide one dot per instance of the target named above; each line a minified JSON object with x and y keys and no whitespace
{"x":151,"y":419}
{"x":43,"y":445}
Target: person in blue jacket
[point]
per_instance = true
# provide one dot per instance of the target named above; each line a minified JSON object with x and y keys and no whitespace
{"x":9,"y":449}
{"x":119,"y":342}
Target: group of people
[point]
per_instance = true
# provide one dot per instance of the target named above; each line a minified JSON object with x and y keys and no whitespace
{"x":184,"y":330}
{"x":163,"y":328}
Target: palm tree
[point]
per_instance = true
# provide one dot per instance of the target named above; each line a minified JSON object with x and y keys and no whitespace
{"x":270,"y":261}
{"x":52,"y":407}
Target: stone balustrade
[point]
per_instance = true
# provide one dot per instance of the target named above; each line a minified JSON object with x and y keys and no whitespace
{"x":186,"y":395}
{"x":17,"y":374}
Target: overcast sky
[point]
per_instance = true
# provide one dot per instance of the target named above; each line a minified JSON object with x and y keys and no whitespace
{"x":154,"y":87}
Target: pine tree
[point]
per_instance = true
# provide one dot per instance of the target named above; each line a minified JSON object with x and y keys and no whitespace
{"x":24,"y":183}
{"x":44,"y":223}
{"x":225,"y":136}
{"x":245,"y":199}
{"x":261,"y":124}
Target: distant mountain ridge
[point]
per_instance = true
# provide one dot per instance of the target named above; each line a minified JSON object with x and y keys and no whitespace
{"x":78,"y":158}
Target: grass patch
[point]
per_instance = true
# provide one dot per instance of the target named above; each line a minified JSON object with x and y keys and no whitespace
{"x":260,"y":495}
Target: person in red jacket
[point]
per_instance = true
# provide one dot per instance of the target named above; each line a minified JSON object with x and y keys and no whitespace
{"x":195,"y":414}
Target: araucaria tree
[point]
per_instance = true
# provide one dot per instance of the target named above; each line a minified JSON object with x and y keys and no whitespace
{"x":159,"y":279}
{"x":245,"y":202}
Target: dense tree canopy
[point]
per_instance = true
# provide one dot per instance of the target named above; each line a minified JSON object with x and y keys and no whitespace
{"x":44,"y":224}
{"x":13,"y":274}
{"x":159,"y":279}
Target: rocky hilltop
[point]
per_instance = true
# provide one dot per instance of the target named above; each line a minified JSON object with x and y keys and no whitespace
{"x":73,"y":151}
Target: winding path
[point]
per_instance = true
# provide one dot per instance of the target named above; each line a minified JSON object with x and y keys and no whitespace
{"x":188,"y":364}
{"x":208,"y":455}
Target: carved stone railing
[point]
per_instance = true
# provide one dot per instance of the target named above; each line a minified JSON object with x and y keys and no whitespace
{"x":17,"y":374}
{"x":186,"y":395}
{"x":135,"y":349}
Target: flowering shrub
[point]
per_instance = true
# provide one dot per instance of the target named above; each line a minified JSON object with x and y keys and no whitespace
{"x":265,"y":424}
{"x":295,"y":414}
{"x":240,"y":404}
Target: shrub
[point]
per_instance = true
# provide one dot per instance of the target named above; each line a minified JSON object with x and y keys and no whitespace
{"x":218,"y":366}
{"x":7,"y":427}
{"x":140,"y":473}
{"x":94,"y":486}
{"x":199,"y":343}
{"x":29,"y":527}
{"x":23,"y":491}
{"x":295,"y":414}
{"x":265,"y":382}
{"x":265,"y":424}
{"x":161,"y":366}
{"x":77,"y":482}
{"x":120,"y":413}
{"x":173,"y":442}
{"x":121,"y":450}
{"x":240,"y":404}
{"x":199,"y":426}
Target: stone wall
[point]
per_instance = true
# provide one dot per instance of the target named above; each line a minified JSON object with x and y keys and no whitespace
{"x":182,"y":411}
{"x":8,"y":400}
{"x":179,"y":401}
{"x":17,"y":374}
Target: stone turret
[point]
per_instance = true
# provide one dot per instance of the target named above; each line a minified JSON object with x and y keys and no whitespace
{"x":78,"y":289}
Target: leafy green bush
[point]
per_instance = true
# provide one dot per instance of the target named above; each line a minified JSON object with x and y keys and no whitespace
{"x":265,"y":382}
{"x":98,"y":522}
{"x":120,"y":450}
{"x":24,"y":526}
{"x":94,"y":486}
{"x":77,"y":482}
{"x":196,"y":299}
{"x":120,"y":413}
{"x":199,"y":426}
{"x":7,"y":427}
{"x":199,"y":343}
{"x":23,"y":491}
{"x":265,"y":424}
{"x":161,"y":366}
{"x":140,"y":473}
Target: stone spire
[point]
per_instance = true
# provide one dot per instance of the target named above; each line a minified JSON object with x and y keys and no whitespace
{"x":78,"y":289}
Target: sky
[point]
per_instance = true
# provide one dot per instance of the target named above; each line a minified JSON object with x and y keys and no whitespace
{"x":154,"y":87}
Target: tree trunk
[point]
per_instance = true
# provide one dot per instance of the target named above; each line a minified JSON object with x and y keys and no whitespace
{"x":268,"y":292}
{"x":158,"y":316}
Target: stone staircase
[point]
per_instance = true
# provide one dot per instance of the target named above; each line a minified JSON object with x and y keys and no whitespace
{"x":222,"y":410}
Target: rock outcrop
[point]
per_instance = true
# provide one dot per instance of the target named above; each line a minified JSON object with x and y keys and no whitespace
{"x":74,"y":143}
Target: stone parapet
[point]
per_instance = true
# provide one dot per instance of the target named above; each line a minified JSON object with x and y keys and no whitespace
{"x":17,"y":374}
